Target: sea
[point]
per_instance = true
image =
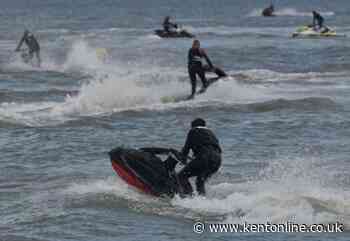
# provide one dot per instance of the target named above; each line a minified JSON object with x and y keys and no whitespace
{"x":282,"y":118}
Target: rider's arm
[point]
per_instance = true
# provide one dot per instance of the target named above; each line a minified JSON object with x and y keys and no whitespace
{"x":190,"y":56}
{"x":314,"y":20}
{"x":174,"y":25}
{"x":20,"y":43}
{"x":37,"y":43}
{"x":188,"y":144}
{"x":207,"y":59}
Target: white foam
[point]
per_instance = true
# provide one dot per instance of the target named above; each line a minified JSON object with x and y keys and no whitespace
{"x":230,"y":30}
{"x":289,"y":190}
{"x":288,"y":12}
{"x":115,"y":87}
{"x":16,"y":64}
{"x":229,"y":91}
{"x":109,"y":185}
{"x":55,"y":31}
{"x":295,"y":12}
{"x":265,"y":75}
{"x":295,"y":190}
{"x":30,"y":114}
{"x":82,"y":57}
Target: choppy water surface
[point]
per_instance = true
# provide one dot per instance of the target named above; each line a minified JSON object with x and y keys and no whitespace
{"x":283,"y":119}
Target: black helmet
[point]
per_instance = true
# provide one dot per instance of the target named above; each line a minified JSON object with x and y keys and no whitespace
{"x":198,"y":122}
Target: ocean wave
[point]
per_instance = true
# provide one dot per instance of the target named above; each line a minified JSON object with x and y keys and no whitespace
{"x":242,"y":31}
{"x":269,"y":76}
{"x":311,"y":103}
{"x":55,"y":31}
{"x":303,"y":104}
{"x":115,"y":87}
{"x":287,"y":190}
{"x":34,"y":96}
{"x":101,"y":98}
{"x":288,"y":12}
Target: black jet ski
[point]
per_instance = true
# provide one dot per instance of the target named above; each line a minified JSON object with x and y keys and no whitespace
{"x":220,"y":74}
{"x":145,"y":170}
{"x":173,"y":34}
{"x":268,"y":12}
{"x":216,"y":70}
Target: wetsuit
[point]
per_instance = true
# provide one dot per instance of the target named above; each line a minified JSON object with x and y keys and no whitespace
{"x":33,"y":46}
{"x":167,"y":25}
{"x":207,"y":152}
{"x":195,"y":67}
{"x":318,"y":20}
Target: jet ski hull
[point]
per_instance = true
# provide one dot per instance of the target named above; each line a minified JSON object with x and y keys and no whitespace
{"x":309,"y":32}
{"x":144,"y":171}
{"x":129,"y":177}
{"x":173,"y":34}
{"x":268,"y":13}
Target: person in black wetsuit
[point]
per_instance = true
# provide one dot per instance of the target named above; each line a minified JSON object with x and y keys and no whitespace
{"x":268,"y":12}
{"x":195,"y":66}
{"x":32,"y":44}
{"x":207,"y":157}
{"x":167,"y":25}
{"x":318,"y":20}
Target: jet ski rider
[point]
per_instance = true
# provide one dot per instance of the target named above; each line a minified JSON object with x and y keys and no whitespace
{"x":195,"y":66}
{"x":207,"y":157}
{"x":268,"y":12}
{"x":33,"y":45}
{"x":167,"y":25}
{"x":318,"y":20}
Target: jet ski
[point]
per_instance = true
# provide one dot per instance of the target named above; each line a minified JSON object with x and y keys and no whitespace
{"x":310,"y":32}
{"x":220,"y":74}
{"x":145,"y":169}
{"x":173,"y":34}
{"x":268,"y":12}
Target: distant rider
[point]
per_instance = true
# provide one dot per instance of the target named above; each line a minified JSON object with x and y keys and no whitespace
{"x":167,"y":25}
{"x":207,"y":157}
{"x":195,"y":66}
{"x":268,"y":12}
{"x":32,"y":44}
{"x":318,"y":20}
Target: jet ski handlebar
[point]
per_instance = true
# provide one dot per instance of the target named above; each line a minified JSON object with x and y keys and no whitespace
{"x":165,"y":151}
{"x":156,"y":150}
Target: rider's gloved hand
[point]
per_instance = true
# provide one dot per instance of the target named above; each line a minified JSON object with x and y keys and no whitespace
{"x":179,"y":156}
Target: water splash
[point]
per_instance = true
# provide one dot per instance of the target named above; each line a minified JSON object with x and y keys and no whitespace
{"x":288,"y":12}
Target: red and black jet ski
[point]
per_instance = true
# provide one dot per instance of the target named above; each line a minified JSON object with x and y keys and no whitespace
{"x":145,"y":170}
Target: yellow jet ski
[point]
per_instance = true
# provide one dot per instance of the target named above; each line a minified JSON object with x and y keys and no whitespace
{"x":310,"y":32}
